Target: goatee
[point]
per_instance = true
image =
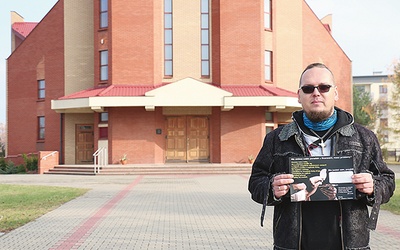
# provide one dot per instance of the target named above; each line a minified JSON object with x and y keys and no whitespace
{"x":319,"y":116}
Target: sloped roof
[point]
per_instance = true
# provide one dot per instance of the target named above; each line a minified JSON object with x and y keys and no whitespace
{"x":141,"y":90}
{"x":257,"y":90}
{"x":111,"y":90}
{"x":23,"y":28}
{"x":187,"y":92}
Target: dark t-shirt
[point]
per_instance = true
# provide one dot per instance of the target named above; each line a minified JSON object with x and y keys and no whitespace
{"x":321,"y":225}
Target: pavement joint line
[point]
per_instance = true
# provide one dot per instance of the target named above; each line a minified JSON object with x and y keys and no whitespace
{"x":389,"y":231}
{"x":80,"y":233}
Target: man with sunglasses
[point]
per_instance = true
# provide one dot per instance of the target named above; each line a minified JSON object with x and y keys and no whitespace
{"x":321,"y":129}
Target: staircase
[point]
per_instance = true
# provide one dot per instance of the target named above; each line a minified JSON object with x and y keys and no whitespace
{"x":154,"y":169}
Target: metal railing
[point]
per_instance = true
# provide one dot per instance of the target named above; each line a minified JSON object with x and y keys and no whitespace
{"x":100,"y":157}
{"x":48,"y":155}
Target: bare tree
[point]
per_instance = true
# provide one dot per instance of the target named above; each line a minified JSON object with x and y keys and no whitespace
{"x":394,"y":103}
{"x":3,"y":139}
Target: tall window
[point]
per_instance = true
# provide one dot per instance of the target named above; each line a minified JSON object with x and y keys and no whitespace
{"x":168,"y":56}
{"x":41,"y":124}
{"x":103,"y":13}
{"x":205,"y":40}
{"x":383,"y":89}
{"x":104,"y":65}
{"x":268,"y":65}
{"x":41,"y":89}
{"x":267,"y":14}
{"x":103,"y":125}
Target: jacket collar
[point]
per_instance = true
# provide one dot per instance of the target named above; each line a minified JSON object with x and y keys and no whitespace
{"x":343,"y":125}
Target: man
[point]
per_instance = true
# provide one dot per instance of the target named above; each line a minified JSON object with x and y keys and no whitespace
{"x":320,"y":129}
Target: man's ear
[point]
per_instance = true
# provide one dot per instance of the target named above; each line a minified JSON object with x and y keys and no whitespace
{"x":336,"y":94}
{"x":298,"y":96}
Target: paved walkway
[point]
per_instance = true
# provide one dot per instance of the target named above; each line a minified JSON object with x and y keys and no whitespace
{"x":158,"y":212}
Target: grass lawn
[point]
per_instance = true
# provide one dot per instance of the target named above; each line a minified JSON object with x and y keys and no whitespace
{"x":394,"y":204}
{"x":21,"y":204}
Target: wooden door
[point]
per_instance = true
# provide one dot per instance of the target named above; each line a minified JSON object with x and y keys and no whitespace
{"x":197,"y":137}
{"x":84,"y":144}
{"x":187,"y":139}
{"x":176,"y":138}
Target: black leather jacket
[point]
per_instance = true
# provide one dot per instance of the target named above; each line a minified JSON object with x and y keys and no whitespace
{"x":348,"y":138}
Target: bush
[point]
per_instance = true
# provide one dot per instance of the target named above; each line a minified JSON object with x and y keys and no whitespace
{"x":21,"y":169}
{"x":3,"y":164}
{"x":385,"y":154}
{"x":10,"y":169}
{"x":31,"y":162}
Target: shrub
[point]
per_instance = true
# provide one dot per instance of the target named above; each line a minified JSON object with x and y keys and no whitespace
{"x":385,"y":154}
{"x":3,"y":163}
{"x":21,"y":169}
{"x":10,"y":169}
{"x":31,"y":162}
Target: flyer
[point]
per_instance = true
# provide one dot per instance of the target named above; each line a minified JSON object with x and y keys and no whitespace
{"x":322,"y":178}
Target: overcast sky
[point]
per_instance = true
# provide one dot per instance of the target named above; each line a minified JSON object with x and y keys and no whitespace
{"x":367,"y":30}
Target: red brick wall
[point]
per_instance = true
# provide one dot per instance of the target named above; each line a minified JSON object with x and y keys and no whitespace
{"x":234,"y":135}
{"x":132,"y":131}
{"x":47,"y":163}
{"x":44,"y":44}
{"x":319,"y":46}
{"x":133,"y":42}
{"x":159,"y":139}
{"x":242,"y":132}
{"x":215,"y":135}
{"x":240,"y":58}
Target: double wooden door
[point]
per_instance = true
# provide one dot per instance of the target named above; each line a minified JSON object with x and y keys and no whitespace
{"x":187,"y":139}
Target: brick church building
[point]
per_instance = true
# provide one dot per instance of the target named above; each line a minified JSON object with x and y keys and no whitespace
{"x":162,"y":81}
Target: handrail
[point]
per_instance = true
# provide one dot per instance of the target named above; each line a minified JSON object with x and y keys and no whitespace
{"x":48,"y":155}
{"x":99,"y":159}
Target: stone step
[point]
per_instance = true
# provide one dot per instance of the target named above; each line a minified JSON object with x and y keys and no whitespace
{"x":153,"y":169}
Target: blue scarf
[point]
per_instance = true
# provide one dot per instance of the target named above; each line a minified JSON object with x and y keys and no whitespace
{"x":320,"y":126}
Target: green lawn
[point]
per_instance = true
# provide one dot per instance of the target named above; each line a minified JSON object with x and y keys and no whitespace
{"x":21,"y":204}
{"x":394,"y":204}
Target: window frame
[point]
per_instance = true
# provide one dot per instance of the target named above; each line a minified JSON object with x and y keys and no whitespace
{"x":103,"y":14}
{"x":168,"y":41}
{"x":205,"y":38}
{"x":103,"y":117}
{"x":267,"y":15}
{"x":268,"y":66}
{"x":41,"y":89}
{"x":41,"y":125}
{"x":383,"y":89}
{"x":103,"y":66}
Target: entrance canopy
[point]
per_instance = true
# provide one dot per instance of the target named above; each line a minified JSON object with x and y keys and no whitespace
{"x":187,"y":92}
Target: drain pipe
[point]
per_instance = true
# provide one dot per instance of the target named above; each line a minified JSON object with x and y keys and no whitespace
{"x":61,"y":155}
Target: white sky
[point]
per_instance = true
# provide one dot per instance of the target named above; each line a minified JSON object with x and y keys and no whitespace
{"x":367,"y":30}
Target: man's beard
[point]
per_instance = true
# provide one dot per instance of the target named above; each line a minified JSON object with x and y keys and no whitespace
{"x":318,"y":116}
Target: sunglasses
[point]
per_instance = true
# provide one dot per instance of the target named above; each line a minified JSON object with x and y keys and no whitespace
{"x":323,"y":88}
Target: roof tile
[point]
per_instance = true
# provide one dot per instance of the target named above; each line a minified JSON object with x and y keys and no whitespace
{"x":140,"y":90}
{"x":23,"y":28}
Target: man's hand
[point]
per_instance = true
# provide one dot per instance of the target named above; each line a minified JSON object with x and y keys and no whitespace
{"x":364,"y":183}
{"x":280,"y":185}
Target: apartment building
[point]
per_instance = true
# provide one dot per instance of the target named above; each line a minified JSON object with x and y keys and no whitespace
{"x":165,"y":80}
{"x":380,"y":88}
